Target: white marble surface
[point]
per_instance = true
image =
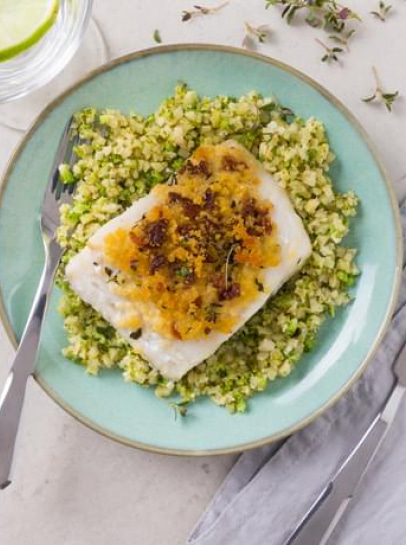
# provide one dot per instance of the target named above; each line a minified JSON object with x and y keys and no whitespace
{"x":73,"y":487}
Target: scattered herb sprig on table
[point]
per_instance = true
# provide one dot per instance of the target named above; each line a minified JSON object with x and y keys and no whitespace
{"x":388,"y":98}
{"x":382,"y":11}
{"x":328,"y":14}
{"x":343,"y":38}
{"x":331,"y":53}
{"x":255,"y":34}
{"x":201,"y":10}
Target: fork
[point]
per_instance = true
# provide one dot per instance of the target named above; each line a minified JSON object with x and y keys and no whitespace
{"x":13,"y":393}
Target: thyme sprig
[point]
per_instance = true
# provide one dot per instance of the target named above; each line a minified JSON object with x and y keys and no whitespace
{"x":382,"y":11}
{"x":328,"y":14}
{"x":255,"y":34}
{"x":201,"y":10}
{"x":343,"y":38}
{"x":180,"y":408}
{"x":331,"y":53}
{"x":230,"y":252}
{"x":388,"y":98}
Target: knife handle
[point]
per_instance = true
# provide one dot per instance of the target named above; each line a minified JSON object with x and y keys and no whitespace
{"x":319,"y":522}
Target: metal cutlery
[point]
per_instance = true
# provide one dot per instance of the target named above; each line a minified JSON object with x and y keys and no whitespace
{"x":13,"y":393}
{"x":319,"y":523}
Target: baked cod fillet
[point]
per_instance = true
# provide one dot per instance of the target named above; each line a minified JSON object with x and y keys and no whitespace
{"x":182,"y":269}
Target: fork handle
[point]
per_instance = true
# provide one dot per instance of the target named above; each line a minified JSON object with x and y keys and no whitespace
{"x":13,"y":393}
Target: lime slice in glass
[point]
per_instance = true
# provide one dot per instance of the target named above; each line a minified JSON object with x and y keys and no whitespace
{"x":23,"y":23}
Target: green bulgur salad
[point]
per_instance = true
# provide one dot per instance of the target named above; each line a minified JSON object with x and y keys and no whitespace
{"x":123,"y":156}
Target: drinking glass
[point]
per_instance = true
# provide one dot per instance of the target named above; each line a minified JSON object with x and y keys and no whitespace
{"x":29,"y":80}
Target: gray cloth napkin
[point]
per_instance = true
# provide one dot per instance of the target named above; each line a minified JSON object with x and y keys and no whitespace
{"x":269,"y":489}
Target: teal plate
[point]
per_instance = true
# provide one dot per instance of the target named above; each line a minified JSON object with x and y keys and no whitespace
{"x":131,"y":414}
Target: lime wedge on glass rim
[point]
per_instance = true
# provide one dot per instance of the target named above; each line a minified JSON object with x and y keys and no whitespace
{"x":23,"y":23}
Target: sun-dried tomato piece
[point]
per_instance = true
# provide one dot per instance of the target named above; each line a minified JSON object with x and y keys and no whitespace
{"x":249,"y":207}
{"x":195,"y":169}
{"x":155,"y":233}
{"x":157,"y":262}
{"x":230,"y":292}
{"x":231,"y":164}
{"x":198,"y":301}
{"x":189,"y":207}
{"x":204,"y":169}
{"x":208,"y":200}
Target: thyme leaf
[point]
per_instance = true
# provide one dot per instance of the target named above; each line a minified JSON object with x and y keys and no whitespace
{"x":157,"y":36}
{"x":136,"y":334}
{"x":259,"y":285}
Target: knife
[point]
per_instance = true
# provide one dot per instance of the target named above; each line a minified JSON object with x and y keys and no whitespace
{"x":319,"y":523}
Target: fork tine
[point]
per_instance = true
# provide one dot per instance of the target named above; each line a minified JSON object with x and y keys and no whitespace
{"x":55,"y":178}
{"x":57,"y":192}
{"x":63,"y":145}
{"x":66,"y":190}
{"x":61,"y":153}
{"x":55,"y":188}
{"x":65,"y":155}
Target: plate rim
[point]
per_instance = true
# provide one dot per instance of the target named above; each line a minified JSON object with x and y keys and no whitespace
{"x":389,"y":188}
